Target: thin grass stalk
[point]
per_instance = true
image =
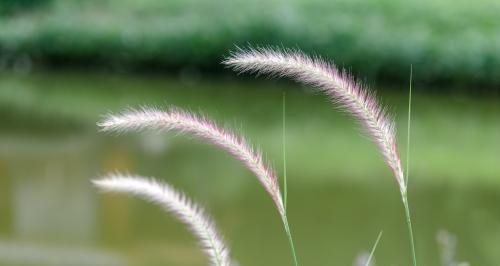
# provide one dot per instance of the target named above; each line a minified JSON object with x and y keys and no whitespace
{"x":408,"y":130}
{"x":372,"y":252}
{"x":285,"y":189}
{"x":290,"y":240}
{"x":285,"y":185}
{"x":410,"y":229}
{"x":405,"y":195}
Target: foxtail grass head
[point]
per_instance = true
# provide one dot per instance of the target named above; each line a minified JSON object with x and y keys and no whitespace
{"x":337,"y":84}
{"x":173,"y":201}
{"x":205,"y":129}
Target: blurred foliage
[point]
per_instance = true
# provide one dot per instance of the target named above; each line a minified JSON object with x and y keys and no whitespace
{"x":452,"y":42}
{"x":9,"y":7}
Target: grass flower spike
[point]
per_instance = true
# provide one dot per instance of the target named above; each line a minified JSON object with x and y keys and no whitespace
{"x":338,"y":85}
{"x":175,"y":202}
{"x":185,"y":122}
{"x":343,"y":90}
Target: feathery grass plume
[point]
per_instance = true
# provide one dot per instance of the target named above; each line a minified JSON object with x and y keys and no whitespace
{"x":342,"y":89}
{"x":338,"y":85}
{"x":177,"y":203}
{"x":188,"y":123}
{"x":185,"y":122}
{"x":448,"y":245}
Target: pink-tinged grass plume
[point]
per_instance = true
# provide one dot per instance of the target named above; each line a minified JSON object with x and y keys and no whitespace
{"x":342,"y":90}
{"x":176,"y":203}
{"x":338,"y":85}
{"x":205,"y":129}
{"x":191,"y":124}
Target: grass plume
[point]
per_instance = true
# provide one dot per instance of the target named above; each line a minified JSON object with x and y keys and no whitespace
{"x":203,"y":128}
{"x":342,"y":90}
{"x":337,"y":85}
{"x":176,"y":203}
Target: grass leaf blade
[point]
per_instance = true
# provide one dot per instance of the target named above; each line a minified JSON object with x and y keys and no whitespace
{"x":368,"y":261}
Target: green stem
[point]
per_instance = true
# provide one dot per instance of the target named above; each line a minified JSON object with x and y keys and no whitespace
{"x":408,"y":130}
{"x":290,"y":240}
{"x":368,"y":261}
{"x":285,"y":191}
{"x":410,"y":228}
{"x":285,"y":185}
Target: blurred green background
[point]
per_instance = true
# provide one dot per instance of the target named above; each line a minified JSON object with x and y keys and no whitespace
{"x":66,"y":63}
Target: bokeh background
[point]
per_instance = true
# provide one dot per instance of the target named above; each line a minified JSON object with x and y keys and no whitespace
{"x":65,"y":63}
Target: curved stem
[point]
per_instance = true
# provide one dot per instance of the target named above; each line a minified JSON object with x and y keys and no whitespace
{"x":290,"y":240}
{"x":410,"y":228}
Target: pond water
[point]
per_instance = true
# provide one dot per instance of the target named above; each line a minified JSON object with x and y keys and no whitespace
{"x":340,"y":193}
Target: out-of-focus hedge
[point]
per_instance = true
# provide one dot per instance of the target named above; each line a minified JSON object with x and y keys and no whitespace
{"x":450,"y":41}
{"x":10,"y":7}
